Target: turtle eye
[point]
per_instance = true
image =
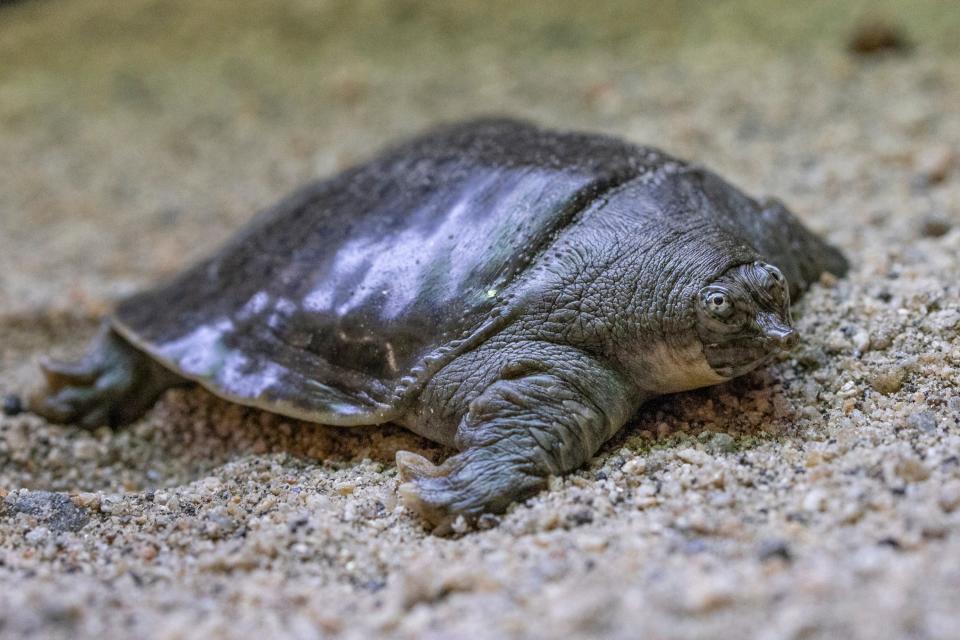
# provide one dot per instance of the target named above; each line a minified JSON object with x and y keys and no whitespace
{"x":719,"y":304}
{"x":775,"y":283}
{"x":775,"y":276}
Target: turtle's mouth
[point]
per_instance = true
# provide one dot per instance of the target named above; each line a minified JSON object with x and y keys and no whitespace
{"x":740,"y":355}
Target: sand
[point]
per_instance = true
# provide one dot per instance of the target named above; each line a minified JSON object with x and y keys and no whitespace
{"x":817,"y":498}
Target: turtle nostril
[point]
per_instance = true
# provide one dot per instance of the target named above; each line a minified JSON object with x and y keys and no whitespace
{"x":776,"y":331}
{"x":783,"y":337}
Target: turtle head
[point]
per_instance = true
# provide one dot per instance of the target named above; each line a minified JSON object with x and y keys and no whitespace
{"x":743,"y":318}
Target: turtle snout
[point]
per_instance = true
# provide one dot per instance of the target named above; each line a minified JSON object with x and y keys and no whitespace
{"x":784,"y":339}
{"x":778,"y":333}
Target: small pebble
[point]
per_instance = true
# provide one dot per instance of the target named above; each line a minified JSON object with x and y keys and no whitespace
{"x":56,"y":510}
{"x":646,"y":496}
{"x":580,"y":517}
{"x":693,"y":456}
{"x":911,"y":468}
{"x":934,"y":164}
{"x":460,"y":525}
{"x":12,"y":405}
{"x":935,"y":226}
{"x":36,"y":535}
{"x":87,"y":500}
{"x":815,"y":500}
{"x":872,"y":37}
{"x":774,"y":549}
{"x":86,"y":448}
{"x":888,"y":381}
{"x":949,"y":498}
{"x":345,"y":488}
{"x":924,"y":421}
{"x":147,"y":552}
{"x":943,"y":320}
{"x":634,"y":466}
{"x":861,"y":341}
{"x":721,"y":443}
{"x":710,"y":593}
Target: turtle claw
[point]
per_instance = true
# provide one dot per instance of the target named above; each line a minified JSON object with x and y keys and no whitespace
{"x":467,"y":485}
{"x":428,"y":490}
{"x":415,"y":472}
{"x":437,"y":516}
{"x":60,"y":373}
{"x":413,"y":466}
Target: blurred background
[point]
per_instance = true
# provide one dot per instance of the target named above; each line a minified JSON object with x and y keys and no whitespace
{"x":138,"y":133}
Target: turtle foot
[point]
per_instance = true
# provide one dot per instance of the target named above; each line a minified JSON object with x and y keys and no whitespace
{"x":112,"y":384}
{"x":78,"y":393}
{"x":468,"y":485}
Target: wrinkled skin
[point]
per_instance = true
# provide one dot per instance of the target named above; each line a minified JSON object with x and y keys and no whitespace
{"x":600,"y":275}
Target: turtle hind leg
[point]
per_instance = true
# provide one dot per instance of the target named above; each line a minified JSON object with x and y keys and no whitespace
{"x":112,"y":384}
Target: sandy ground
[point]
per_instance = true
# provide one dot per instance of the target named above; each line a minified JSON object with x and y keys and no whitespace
{"x":819,"y":498}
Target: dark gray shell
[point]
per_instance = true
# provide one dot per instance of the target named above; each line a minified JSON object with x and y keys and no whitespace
{"x":334,"y":304}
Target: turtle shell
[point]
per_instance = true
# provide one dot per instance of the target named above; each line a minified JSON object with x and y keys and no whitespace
{"x":334,"y":304}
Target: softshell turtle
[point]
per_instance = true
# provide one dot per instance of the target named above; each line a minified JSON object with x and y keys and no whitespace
{"x":512,"y":292}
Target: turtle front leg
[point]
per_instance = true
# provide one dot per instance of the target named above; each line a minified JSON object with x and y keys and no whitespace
{"x":112,"y":384}
{"x":516,"y":434}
